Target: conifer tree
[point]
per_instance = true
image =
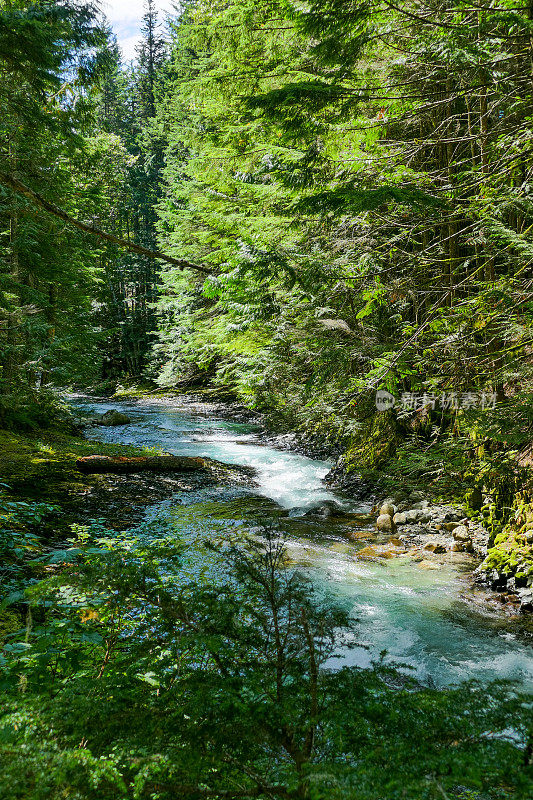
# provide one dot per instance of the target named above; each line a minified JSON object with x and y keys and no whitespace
{"x":47,"y":66}
{"x":358,"y":177}
{"x":127,"y":109}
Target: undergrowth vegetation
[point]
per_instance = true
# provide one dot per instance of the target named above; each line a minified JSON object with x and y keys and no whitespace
{"x":130,"y":680}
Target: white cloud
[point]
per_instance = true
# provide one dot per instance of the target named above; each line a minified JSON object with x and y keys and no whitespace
{"x":125,"y":17}
{"x":128,"y":46}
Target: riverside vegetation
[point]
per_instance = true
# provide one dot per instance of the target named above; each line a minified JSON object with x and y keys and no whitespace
{"x":288,"y":206}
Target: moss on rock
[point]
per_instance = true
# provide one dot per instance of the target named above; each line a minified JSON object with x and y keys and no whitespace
{"x":44,"y":465}
{"x":512,"y":552}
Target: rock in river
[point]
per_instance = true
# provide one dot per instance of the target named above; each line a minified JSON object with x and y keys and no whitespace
{"x":385,"y":523}
{"x":112,"y":418}
{"x":435,"y":547}
{"x":461,"y":533}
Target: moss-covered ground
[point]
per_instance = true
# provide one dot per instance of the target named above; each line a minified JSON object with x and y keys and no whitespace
{"x":42,"y":494}
{"x":43,"y":466}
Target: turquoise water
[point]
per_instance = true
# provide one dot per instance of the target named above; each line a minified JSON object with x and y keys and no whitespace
{"x":426,"y":619}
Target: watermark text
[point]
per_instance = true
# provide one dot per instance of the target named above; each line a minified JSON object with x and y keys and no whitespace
{"x":447,"y":401}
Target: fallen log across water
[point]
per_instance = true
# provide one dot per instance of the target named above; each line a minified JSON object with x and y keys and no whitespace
{"x":123,"y":465}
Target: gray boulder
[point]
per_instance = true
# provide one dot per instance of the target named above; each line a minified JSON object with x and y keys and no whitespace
{"x":461,"y":533}
{"x":452,"y":516}
{"x":526,"y":600}
{"x":112,"y":418}
{"x":384,"y":523}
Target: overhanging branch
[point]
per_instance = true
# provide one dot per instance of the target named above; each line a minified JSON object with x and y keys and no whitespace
{"x":38,"y":200}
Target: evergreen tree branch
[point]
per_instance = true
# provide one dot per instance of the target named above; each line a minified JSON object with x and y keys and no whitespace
{"x":17,"y":186}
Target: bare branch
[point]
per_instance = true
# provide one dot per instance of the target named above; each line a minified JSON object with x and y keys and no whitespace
{"x":17,"y":186}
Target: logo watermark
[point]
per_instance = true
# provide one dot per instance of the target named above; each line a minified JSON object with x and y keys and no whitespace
{"x":414,"y":401}
{"x":384,"y":400}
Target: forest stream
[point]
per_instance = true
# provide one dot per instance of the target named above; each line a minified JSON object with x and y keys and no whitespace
{"x":322,"y":213}
{"x":430,"y":620}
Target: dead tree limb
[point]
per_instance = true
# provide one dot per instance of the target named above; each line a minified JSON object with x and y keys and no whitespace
{"x":17,"y":186}
{"x":122,"y":465}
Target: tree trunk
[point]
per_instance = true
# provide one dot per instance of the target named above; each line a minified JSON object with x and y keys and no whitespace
{"x":122,"y":465}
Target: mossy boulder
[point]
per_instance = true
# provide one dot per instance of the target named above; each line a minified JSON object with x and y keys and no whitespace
{"x":474,"y":499}
{"x":374,"y":444}
{"x":113,"y":418}
{"x":512,"y":553}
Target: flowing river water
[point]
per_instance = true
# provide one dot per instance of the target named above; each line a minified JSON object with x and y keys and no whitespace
{"x":426,"y":619}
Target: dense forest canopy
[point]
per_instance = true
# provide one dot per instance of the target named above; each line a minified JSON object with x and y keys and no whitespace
{"x":289,"y":205}
{"x":355,"y":175}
